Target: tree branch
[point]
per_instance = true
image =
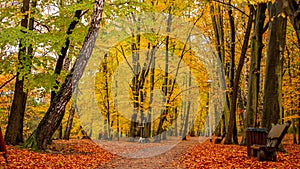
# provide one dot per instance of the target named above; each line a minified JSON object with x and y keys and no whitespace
{"x":224,"y":3}
{"x":5,"y":83}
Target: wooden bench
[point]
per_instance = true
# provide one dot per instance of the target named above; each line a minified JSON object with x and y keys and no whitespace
{"x":268,"y":152}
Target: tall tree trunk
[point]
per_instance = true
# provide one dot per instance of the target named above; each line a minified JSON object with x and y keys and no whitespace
{"x":148,"y":125}
{"x":273,"y":79}
{"x":232,"y":133}
{"x":217,"y":21}
{"x":256,"y":55}
{"x":107,"y":105}
{"x":69,"y":124}
{"x":64,"y":50}
{"x":186,"y":123}
{"x":292,"y":8}
{"x":254,"y":77}
{"x":165,"y":83}
{"x":232,"y":119}
{"x":14,"y":130}
{"x":54,"y":115}
{"x":176,"y":122}
{"x":135,"y":47}
{"x":294,"y":131}
{"x":61,"y":59}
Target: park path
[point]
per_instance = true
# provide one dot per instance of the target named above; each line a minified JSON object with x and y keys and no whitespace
{"x":170,"y":159}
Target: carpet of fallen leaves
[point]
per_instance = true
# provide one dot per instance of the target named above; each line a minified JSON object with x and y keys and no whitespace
{"x":210,"y":155}
{"x":75,"y":154}
{"x":87,"y":154}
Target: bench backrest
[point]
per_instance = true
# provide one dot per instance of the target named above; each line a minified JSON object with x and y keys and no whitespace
{"x":276,"y":134}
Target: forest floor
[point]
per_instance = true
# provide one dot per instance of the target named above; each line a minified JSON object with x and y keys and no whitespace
{"x":185,"y":154}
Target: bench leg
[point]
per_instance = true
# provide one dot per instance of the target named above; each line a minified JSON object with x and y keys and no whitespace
{"x":261,"y":156}
{"x":267,"y":155}
{"x":272,"y":156}
{"x":253,"y":153}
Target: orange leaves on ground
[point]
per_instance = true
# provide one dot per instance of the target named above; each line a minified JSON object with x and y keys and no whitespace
{"x":209,"y":155}
{"x":87,"y":154}
{"x":65,"y":154}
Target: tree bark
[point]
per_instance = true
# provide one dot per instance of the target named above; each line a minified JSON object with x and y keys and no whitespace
{"x":292,"y":8}
{"x":54,"y":115}
{"x":165,"y":83}
{"x":62,"y":58}
{"x":148,"y":126}
{"x":107,"y":98}
{"x":69,"y":124}
{"x":186,"y":123}
{"x":256,"y":55}
{"x":252,"y":107}
{"x":273,"y":79}
{"x":136,"y":83}
{"x":64,"y":50}
{"x":14,"y":130}
{"x":232,"y":119}
{"x":232,"y":133}
{"x":217,"y":21}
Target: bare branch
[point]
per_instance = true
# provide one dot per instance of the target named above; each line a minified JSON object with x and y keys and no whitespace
{"x":228,"y":4}
{"x":5,"y":83}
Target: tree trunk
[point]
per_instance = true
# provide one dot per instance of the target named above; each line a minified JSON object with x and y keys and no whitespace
{"x":273,"y":79}
{"x":69,"y":124}
{"x":54,"y":115}
{"x":256,"y":54}
{"x":252,"y":107}
{"x":232,"y":119}
{"x":135,"y":47}
{"x":176,"y":122}
{"x":186,"y":123}
{"x":14,"y":130}
{"x":232,"y":131}
{"x":64,"y":50}
{"x":107,"y":105}
{"x":292,"y":8}
{"x":217,"y":19}
{"x":62,"y":58}
{"x":165,"y":83}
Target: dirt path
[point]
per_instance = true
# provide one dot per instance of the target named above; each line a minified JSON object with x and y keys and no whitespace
{"x":168,"y":159}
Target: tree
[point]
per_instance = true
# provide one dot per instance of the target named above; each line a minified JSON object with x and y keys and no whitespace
{"x":252,"y":107}
{"x":272,"y":107}
{"x":186,"y":123}
{"x":54,"y":115}
{"x":232,"y":133}
{"x":292,"y":9}
{"x":218,"y":27}
{"x":62,"y":57}
{"x":256,"y":55}
{"x":14,"y":130}
{"x":69,"y":123}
